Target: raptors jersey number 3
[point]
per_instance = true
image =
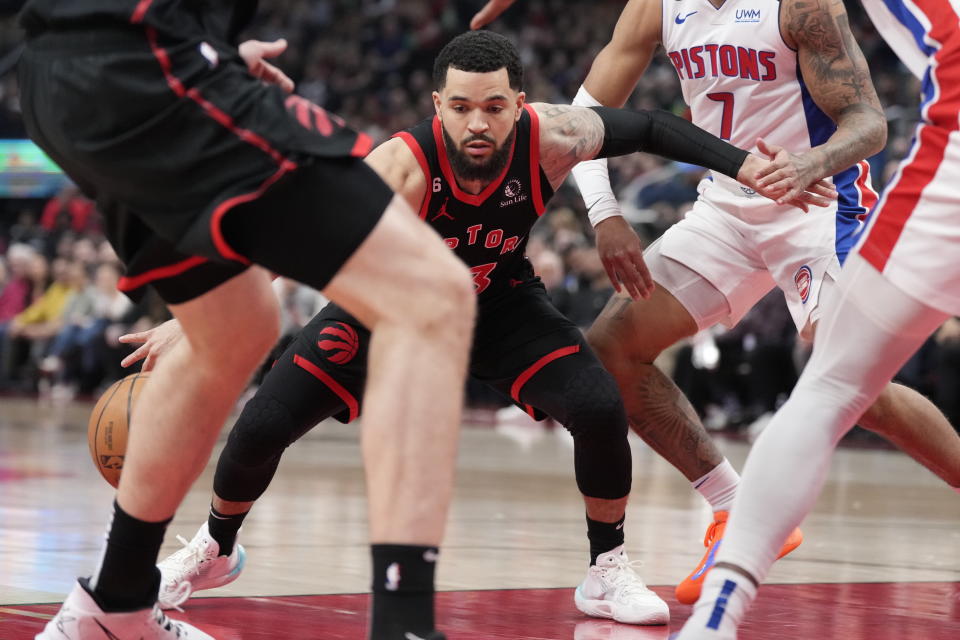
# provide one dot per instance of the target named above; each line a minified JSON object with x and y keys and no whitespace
{"x":488,"y":231}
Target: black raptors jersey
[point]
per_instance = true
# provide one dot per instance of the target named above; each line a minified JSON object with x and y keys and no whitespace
{"x":488,"y":231}
{"x":223,"y":19}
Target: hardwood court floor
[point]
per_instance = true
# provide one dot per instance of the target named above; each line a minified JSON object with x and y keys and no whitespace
{"x":881,"y":558}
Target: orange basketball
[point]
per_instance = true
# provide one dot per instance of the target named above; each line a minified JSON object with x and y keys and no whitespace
{"x":110,"y":423}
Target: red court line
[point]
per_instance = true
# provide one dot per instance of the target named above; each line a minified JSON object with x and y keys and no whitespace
{"x":874,"y":611}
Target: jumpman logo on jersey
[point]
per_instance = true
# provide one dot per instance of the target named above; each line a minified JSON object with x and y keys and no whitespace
{"x":680,"y":20}
{"x":443,"y":213}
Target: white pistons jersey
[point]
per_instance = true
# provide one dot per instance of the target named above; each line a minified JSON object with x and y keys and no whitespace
{"x":743,"y":82}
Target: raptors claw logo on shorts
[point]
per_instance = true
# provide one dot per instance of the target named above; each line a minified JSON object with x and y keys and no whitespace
{"x":342,"y":348}
{"x":312,"y":117}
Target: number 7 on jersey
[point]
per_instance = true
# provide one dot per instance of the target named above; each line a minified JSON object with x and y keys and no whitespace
{"x":726,"y":117}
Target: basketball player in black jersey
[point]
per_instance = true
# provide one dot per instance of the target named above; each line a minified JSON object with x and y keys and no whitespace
{"x":203,"y":166}
{"x":480,"y":173}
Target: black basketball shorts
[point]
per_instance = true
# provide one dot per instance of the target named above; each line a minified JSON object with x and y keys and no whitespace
{"x":170,"y":135}
{"x":515,"y":337}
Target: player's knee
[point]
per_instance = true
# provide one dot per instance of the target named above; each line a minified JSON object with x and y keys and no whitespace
{"x":263,"y":430}
{"x":241,"y":347}
{"x":594,"y":409}
{"x":447,"y":303}
{"x":877,"y":416}
{"x":620,"y":353}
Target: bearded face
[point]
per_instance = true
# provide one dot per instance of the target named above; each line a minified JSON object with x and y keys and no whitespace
{"x":478,"y":113}
{"x":478,"y":156}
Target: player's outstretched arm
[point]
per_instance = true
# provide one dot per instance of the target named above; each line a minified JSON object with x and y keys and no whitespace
{"x":836,"y":74}
{"x":612,"y":78}
{"x":569,"y":135}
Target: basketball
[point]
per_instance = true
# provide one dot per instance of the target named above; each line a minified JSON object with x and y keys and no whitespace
{"x":110,"y":423}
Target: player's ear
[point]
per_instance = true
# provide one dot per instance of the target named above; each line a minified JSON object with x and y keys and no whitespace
{"x":521,"y":100}
{"x":436,"y":103}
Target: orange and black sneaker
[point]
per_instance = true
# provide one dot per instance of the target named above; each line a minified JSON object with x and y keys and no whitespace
{"x":688,"y":591}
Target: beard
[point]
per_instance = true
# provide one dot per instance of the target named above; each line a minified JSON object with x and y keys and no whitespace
{"x":466,"y":168}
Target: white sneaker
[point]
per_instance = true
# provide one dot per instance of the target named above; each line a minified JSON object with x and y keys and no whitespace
{"x":81,"y":618}
{"x":196,"y":567}
{"x":612,"y":589}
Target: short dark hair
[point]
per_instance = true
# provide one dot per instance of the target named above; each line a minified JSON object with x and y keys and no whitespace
{"x":479,"y":52}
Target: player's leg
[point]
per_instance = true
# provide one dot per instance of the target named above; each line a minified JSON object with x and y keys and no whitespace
{"x":301,"y":389}
{"x":416,"y":296}
{"x":629,"y":335}
{"x":176,"y":422}
{"x":917,"y":427}
{"x":868,"y":331}
{"x":564,"y":379}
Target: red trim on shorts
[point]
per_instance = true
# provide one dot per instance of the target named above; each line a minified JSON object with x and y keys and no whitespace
{"x":217,"y":114}
{"x":868,"y":197}
{"x":138,"y":14}
{"x":332,"y":384}
{"x":535,"y":160}
{"x":458,"y":193}
{"x":140,"y":280}
{"x":216,"y":220}
{"x":900,"y":200}
{"x":524,"y":377}
{"x":225,"y":120}
{"x":424,"y":166}
{"x":362,"y":146}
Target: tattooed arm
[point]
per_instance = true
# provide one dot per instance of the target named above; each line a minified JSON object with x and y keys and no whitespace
{"x":568,"y":135}
{"x":836,"y":74}
{"x":571,"y":134}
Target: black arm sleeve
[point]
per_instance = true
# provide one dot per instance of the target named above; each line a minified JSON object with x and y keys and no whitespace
{"x":667,"y":135}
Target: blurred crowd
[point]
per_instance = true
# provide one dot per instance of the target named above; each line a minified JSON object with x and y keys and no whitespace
{"x":371,"y":61}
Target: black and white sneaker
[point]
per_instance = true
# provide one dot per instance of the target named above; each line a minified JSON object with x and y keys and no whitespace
{"x":81,"y":618}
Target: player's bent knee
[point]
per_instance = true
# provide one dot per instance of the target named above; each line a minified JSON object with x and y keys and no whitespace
{"x":233,"y":327}
{"x":264,"y":429}
{"x":594,"y":408}
{"x":446,"y":303}
{"x":621,"y":355}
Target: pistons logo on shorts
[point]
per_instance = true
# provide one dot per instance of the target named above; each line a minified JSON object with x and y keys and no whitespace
{"x":341,"y":345}
{"x":804,"y":281}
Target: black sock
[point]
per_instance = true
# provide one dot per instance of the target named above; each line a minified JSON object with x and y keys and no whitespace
{"x":129,"y":578}
{"x":224,"y":528}
{"x":402,"y":591}
{"x":604,"y":536}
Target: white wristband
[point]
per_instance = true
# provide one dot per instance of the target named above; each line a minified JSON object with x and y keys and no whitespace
{"x":593,"y":177}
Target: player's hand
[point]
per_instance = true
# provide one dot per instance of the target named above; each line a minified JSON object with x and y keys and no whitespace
{"x":793,"y":187}
{"x":255,"y":52}
{"x":490,"y":12}
{"x":792,"y":179}
{"x":153,"y":344}
{"x":621,"y":252}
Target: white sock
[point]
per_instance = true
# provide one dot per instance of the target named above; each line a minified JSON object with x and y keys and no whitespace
{"x":726,"y":597}
{"x":719,"y":486}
